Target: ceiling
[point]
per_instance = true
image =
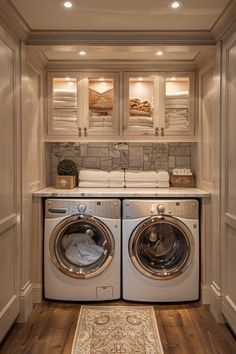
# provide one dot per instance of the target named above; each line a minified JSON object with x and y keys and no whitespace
{"x":59,"y":33}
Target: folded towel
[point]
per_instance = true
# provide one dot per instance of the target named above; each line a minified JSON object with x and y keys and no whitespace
{"x":93,"y":175}
{"x":139,"y":184}
{"x":147,"y":176}
{"x":163,"y":176}
{"x":117,"y":184}
{"x":93,"y":184}
{"x":116,"y":175}
{"x":163,"y":184}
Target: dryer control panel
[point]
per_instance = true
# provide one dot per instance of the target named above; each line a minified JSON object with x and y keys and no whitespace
{"x":186,"y":209}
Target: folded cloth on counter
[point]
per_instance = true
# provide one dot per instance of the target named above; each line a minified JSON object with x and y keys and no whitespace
{"x":116,"y":184}
{"x":142,"y":176}
{"x":116,"y":175}
{"x":93,"y":184}
{"x":163,"y":176}
{"x":163,"y":184}
{"x":140,"y":184}
{"x":93,"y":175}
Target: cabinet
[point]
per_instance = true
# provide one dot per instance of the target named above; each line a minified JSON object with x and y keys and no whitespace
{"x":156,"y":105}
{"x":159,"y":104}
{"x":83,"y":104}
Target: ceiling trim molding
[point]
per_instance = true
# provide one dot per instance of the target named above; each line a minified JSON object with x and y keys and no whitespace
{"x":13,"y":21}
{"x":120,"y":37}
{"x":225,"y":21}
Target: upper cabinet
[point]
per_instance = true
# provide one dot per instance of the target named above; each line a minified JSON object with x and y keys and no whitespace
{"x":155,"y":105}
{"x":83,"y":104}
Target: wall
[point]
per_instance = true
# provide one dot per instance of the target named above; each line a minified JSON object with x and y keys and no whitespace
{"x":114,"y":156}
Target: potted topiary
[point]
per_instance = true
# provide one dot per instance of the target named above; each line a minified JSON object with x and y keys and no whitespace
{"x":66,"y":174}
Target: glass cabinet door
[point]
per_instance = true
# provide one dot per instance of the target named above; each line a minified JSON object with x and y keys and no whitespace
{"x":100,"y":102}
{"x":142,"y":97}
{"x":63,"y":104}
{"x":179,"y":109}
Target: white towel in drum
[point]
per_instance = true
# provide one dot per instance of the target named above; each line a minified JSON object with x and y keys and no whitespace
{"x":142,"y":176}
{"x":163,"y":176}
{"x":140,"y":184}
{"x":93,"y":175}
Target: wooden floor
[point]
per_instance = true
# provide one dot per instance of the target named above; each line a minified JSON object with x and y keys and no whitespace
{"x":184,"y":329}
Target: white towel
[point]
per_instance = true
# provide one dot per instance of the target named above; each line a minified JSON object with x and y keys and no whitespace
{"x":142,"y":176}
{"x":93,"y":175}
{"x":139,"y":184}
{"x":116,"y":175}
{"x":117,"y":184}
{"x":163,"y":184}
{"x":93,"y":184}
{"x":163,"y":176}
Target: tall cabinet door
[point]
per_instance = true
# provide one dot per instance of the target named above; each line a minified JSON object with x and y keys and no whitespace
{"x":229,"y":182}
{"x":9,"y":183}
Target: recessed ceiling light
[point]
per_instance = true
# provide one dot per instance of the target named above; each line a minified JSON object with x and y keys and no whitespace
{"x":67,"y":4}
{"x":82,"y":52}
{"x":159,"y":52}
{"x":175,"y":5}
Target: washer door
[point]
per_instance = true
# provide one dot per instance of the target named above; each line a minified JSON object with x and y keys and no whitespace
{"x":81,"y":246}
{"x":161,"y":247}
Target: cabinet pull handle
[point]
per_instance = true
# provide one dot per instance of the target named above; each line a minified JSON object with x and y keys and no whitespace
{"x":162,"y":131}
{"x":79,"y":129}
{"x":156,"y":131}
{"x":85,"y":132}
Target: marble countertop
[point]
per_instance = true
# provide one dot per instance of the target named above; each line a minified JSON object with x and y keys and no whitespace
{"x":122,"y":192}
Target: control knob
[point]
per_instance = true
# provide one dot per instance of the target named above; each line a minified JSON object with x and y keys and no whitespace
{"x":160,"y":208}
{"x":81,"y":208}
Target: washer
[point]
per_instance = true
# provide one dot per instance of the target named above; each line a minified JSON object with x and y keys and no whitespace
{"x":160,"y":250}
{"x":82,"y":249}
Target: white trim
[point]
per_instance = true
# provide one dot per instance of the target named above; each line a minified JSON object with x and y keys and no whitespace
{"x":8,"y":315}
{"x":205,"y":294}
{"x":26,"y":302}
{"x":37,"y":290}
{"x":215,"y":302}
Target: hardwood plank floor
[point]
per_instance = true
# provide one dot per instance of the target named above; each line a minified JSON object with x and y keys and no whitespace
{"x":184,"y":329}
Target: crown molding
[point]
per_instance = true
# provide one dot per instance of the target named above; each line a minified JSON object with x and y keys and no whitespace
{"x":225,"y":21}
{"x":13,"y":21}
{"x":120,"y":37}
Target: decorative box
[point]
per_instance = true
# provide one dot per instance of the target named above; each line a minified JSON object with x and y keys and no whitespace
{"x":182,"y":180}
{"x":66,"y":182}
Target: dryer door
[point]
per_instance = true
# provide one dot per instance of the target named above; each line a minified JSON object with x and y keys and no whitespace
{"x":81,"y":246}
{"x":161,"y":247}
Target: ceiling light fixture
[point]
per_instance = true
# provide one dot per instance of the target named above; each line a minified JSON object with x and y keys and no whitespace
{"x":67,"y":4}
{"x":175,"y":5}
{"x":159,"y":52}
{"x":82,"y":52}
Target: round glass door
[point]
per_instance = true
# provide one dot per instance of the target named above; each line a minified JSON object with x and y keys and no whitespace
{"x":161,"y":247}
{"x":81,"y":246}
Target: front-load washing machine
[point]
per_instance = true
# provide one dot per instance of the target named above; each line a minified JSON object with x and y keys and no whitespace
{"x":160,"y":250}
{"x":82,"y":249}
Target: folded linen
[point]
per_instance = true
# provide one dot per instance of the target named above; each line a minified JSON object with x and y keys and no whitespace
{"x":93,"y":175}
{"x":140,"y":184}
{"x":117,"y":184}
{"x":116,"y":175}
{"x":94,"y":184}
{"x":163,"y":176}
{"x":147,"y":176}
{"x":163,"y":184}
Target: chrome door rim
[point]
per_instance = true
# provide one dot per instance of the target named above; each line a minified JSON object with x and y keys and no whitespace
{"x":79,"y":272}
{"x":162,"y":275}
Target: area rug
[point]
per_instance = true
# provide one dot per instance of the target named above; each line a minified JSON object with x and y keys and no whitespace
{"x":117,"y":329}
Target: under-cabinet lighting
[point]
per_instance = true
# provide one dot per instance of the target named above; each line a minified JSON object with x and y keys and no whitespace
{"x":101,"y":79}
{"x":159,"y":53}
{"x":82,"y":52}
{"x":175,"y":5}
{"x":140,"y":79}
{"x":173,"y":78}
{"x":67,"y":78}
{"x":67,"y":4}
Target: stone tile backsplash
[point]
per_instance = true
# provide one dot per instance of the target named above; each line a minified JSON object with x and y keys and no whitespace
{"x":114,"y":156}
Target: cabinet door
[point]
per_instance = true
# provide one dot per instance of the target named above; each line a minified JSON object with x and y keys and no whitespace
{"x":100,"y":104}
{"x":64,"y":104}
{"x":142,"y":104}
{"x":178,"y":117}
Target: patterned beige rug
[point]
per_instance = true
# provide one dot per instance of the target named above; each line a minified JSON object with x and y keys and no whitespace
{"x":117,"y":329}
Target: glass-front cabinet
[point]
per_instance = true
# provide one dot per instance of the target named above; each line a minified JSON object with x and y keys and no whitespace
{"x":83,"y":104}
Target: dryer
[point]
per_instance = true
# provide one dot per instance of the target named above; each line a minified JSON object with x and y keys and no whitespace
{"x":82,"y":249}
{"x":160,"y":250}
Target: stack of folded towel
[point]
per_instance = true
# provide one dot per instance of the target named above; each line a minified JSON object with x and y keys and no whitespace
{"x":98,"y":178}
{"x":146,"y":179}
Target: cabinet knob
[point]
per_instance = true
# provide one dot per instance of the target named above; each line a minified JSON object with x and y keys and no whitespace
{"x":162,"y":131}
{"x":85,"y":132}
{"x":79,"y":131}
{"x":156,"y":131}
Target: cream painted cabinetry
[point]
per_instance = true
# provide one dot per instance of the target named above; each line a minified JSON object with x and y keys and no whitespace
{"x":83,"y":104}
{"x":159,"y":104}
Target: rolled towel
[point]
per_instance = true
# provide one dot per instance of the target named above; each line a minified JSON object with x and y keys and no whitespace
{"x":163,"y":176}
{"x":142,"y":176}
{"x":93,"y":175}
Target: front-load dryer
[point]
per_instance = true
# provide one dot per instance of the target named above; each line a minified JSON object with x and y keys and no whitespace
{"x":160,"y":250}
{"x":82,"y":249}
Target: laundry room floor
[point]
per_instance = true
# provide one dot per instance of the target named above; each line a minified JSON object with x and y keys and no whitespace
{"x":184,"y":329}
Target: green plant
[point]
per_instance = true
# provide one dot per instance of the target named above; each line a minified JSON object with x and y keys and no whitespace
{"x":66,"y":168}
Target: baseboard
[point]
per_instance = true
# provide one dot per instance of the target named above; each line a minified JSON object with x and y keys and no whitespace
{"x":26,"y":302}
{"x":37,"y":293}
{"x":205,"y":294}
{"x":8,"y":315}
{"x":216,"y":303}
{"x":229,"y":309}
